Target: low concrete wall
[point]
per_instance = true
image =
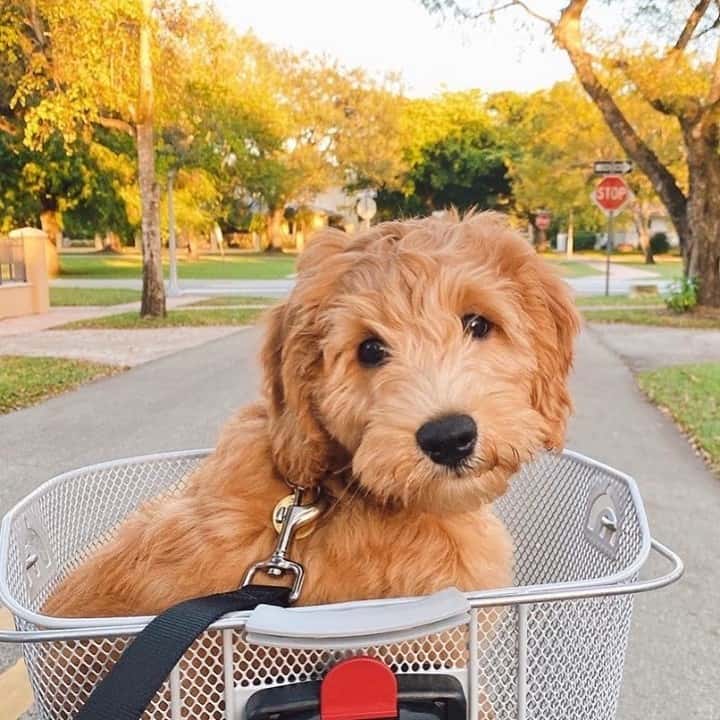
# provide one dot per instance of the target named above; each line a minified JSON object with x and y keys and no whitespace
{"x":32,"y":296}
{"x":16,"y":299}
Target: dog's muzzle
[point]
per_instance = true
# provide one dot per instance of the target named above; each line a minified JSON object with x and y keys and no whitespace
{"x":448,"y":440}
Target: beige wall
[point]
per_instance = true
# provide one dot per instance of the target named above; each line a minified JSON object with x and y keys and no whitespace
{"x":34,"y":295}
{"x":15,"y":300}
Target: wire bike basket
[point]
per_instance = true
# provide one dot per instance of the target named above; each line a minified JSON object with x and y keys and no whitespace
{"x":550,"y":647}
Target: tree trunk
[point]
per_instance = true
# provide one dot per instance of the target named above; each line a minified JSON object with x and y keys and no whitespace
{"x":153,"y":291}
{"x":704,"y":210}
{"x":641,"y":220}
{"x":275,"y":233}
{"x":191,"y":243}
{"x":112,"y":242}
{"x":568,"y":36}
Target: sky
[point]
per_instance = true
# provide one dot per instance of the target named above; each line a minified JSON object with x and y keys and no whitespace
{"x":401,"y":36}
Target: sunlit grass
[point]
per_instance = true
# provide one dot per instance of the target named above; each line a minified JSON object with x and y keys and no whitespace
{"x":70,"y":296}
{"x":583,"y":301}
{"x":233,"y":301}
{"x":570,"y":268}
{"x":174,"y":318}
{"x":240,"y":267}
{"x":26,"y":381}
{"x":691,"y":394}
{"x":654,"y":317}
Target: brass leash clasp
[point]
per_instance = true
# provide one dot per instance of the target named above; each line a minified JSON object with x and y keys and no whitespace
{"x":289,"y":515}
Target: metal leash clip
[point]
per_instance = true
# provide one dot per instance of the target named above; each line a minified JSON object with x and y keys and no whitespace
{"x":289,"y":516}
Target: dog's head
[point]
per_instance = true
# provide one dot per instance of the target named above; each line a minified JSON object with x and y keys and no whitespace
{"x":427,"y":358}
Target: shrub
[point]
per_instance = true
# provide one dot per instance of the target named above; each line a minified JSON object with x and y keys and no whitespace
{"x":682,"y":295}
{"x":584,"y":240}
{"x":659,"y":244}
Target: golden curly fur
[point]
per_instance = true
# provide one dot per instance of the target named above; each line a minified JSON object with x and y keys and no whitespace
{"x":399,"y":524}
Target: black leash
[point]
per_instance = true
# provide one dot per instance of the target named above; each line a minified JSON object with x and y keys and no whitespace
{"x":126,"y":691}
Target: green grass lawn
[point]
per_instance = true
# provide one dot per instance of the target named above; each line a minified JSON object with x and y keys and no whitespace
{"x":691,"y":394}
{"x":584,"y":301}
{"x":666,"y":270}
{"x":571,"y":268}
{"x":65,"y":296}
{"x":659,"y":318}
{"x":668,"y":267}
{"x":233,"y":301}
{"x":26,"y":381}
{"x":174,"y":318}
{"x":129,"y":265}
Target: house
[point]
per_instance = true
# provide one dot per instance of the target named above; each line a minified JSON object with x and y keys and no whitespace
{"x":332,"y":207}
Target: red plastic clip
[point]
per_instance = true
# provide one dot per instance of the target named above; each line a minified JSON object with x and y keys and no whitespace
{"x":360,"y":688}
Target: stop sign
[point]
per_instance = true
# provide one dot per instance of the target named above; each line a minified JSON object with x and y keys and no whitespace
{"x":611,"y":194}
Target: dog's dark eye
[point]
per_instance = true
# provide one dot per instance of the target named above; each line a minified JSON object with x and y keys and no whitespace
{"x":476,"y":325}
{"x":372,"y":352}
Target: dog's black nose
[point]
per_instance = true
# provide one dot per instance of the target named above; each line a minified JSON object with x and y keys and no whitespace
{"x":448,"y":440}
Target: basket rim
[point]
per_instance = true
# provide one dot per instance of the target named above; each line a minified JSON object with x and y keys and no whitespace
{"x":511,"y":595}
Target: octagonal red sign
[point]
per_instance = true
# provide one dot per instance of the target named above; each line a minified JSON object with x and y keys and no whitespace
{"x":611,"y":194}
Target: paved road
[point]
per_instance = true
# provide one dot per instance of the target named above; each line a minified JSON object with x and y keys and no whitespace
{"x":591,"y":285}
{"x":180,"y":402}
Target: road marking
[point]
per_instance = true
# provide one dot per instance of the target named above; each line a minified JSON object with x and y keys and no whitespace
{"x":15,"y":692}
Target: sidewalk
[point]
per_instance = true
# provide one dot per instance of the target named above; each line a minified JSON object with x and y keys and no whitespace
{"x":620,"y":271}
{"x":33,"y":336}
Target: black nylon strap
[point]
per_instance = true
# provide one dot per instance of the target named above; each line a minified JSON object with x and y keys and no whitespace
{"x":125,"y":692}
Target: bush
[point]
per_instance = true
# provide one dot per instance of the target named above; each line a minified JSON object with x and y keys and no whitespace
{"x":682,"y":296}
{"x":584,"y":240}
{"x":659,"y":244}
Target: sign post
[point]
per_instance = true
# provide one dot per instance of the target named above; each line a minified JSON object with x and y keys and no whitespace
{"x":608,"y":249}
{"x":611,"y":195}
{"x":613,"y":167}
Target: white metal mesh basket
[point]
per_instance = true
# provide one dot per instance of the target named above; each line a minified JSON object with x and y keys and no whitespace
{"x":551,"y":647}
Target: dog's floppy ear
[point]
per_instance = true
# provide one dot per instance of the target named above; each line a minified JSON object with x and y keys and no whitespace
{"x":303,"y":451}
{"x":556,"y":322}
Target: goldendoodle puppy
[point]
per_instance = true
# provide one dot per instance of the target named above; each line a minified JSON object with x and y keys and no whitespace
{"x":412,"y":370}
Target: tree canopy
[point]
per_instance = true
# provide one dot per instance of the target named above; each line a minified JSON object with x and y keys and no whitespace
{"x":665,"y":54}
{"x":249,"y":129}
